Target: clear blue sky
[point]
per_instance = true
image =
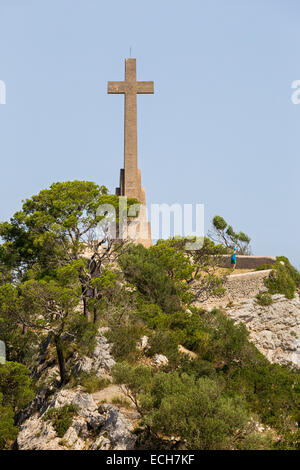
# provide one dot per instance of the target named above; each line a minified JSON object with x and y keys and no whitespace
{"x":220,"y":130}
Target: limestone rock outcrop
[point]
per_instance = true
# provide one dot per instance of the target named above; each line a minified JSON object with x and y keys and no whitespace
{"x":93,"y":427}
{"x":274,"y":329}
{"x":101,"y":360}
{"x":160,"y":360}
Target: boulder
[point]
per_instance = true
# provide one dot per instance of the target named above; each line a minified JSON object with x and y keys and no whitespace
{"x":160,"y":360}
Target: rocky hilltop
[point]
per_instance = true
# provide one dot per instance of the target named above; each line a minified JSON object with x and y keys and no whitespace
{"x":112,"y":345}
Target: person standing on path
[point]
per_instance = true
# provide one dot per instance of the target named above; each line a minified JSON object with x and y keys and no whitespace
{"x":233,"y":259}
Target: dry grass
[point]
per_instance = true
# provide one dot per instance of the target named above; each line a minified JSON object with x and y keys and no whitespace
{"x":228,"y":271}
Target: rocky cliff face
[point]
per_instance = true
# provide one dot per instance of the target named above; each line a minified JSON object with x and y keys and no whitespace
{"x":274,"y":329}
{"x":94,"y":426}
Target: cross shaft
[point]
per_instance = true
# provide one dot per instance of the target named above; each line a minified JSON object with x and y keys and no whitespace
{"x":130,"y":180}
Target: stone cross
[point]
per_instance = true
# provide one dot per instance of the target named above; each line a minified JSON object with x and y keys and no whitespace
{"x":130,"y":177}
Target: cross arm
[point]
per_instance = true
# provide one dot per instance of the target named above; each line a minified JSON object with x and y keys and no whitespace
{"x":145,"y":87}
{"x":116,"y":87}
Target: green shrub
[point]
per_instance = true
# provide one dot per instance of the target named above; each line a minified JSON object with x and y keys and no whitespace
{"x":148,"y":274}
{"x":256,"y":441}
{"x":218,"y":291}
{"x":188,"y":327}
{"x":8,"y":431}
{"x":15,"y":385}
{"x":124,"y":339}
{"x":289,"y":441}
{"x":196,"y":410}
{"x":61,"y":418}
{"x":284,"y":278}
{"x":293,"y":272}
{"x":263,"y":267}
{"x":16,"y":391}
{"x":164,"y":342}
{"x":264,"y":299}
{"x":173,"y":259}
{"x":280,"y":282}
{"x":149,"y":312}
{"x":136,"y":379}
{"x":198,"y":368}
{"x":222,"y":342}
{"x":272,"y":391}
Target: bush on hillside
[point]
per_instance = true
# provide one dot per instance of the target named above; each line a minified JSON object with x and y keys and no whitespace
{"x":8,"y":430}
{"x":164,"y":342}
{"x":271,"y":391}
{"x":284,"y":278}
{"x":196,"y":411}
{"x":124,"y":339}
{"x":61,"y":418}
{"x":148,"y":273}
{"x":264,"y":299}
{"x":15,"y":385}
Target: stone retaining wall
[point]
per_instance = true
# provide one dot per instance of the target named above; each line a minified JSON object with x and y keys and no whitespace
{"x":248,"y":262}
{"x":238,"y":287}
{"x":243,"y":286}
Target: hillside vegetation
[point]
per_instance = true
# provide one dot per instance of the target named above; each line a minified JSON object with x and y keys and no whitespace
{"x":214,"y":391}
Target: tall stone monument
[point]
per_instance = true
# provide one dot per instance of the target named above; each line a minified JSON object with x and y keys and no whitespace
{"x":130,"y":175}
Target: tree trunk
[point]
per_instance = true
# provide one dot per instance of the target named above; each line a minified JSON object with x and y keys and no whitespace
{"x":96,"y":296}
{"x":84,"y":307}
{"x":61,"y":361}
{"x":95,"y":315}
